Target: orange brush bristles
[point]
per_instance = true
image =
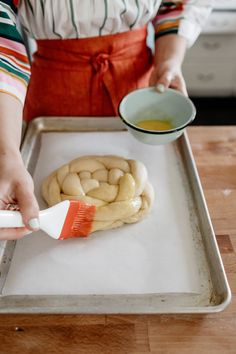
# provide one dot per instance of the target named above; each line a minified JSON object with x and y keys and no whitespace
{"x":78,"y":221}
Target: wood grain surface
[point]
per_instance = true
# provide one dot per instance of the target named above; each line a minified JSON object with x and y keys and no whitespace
{"x":214,"y":149}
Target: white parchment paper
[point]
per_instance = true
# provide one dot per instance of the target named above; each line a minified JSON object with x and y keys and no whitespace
{"x":155,"y":255}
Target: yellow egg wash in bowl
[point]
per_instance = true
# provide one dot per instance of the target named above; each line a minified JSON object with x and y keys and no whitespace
{"x":155,"y":124}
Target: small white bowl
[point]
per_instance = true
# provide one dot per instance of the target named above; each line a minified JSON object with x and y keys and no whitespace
{"x":148,"y":103}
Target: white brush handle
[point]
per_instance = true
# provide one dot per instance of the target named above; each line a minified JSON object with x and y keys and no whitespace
{"x":10,"y":218}
{"x":51,"y":220}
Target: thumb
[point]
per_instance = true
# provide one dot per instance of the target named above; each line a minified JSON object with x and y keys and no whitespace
{"x":163,"y":82}
{"x":28,"y":206}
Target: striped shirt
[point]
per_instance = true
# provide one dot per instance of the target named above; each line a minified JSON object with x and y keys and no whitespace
{"x":63,"y":19}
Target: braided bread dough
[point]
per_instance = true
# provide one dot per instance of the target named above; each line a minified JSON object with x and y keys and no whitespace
{"x":118,"y":187}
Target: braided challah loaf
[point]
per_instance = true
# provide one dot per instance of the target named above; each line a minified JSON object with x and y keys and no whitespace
{"x":119,"y":188}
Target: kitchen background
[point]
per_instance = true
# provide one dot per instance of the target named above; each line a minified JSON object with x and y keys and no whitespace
{"x":210,"y":67}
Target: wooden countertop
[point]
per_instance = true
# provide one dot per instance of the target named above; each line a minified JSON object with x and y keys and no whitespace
{"x":214,"y":149}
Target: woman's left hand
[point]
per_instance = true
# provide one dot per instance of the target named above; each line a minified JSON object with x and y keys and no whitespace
{"x":168,"y":74}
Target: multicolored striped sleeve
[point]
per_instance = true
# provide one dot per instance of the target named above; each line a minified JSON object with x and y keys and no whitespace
{"x":183,"y":17}
{"x":14,"y":64}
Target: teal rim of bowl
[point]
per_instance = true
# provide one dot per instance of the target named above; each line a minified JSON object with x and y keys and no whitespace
{"x":157,"y":132}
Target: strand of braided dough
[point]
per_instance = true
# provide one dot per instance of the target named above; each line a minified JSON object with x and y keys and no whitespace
{"x":118,"y":187}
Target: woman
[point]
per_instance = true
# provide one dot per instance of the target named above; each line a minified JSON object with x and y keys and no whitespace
{"x":90,"y":54}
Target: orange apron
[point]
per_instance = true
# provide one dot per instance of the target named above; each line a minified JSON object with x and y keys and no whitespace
{"x":87,"y":77}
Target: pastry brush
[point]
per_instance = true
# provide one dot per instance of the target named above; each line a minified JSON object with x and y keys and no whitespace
{"x":70,"y":218}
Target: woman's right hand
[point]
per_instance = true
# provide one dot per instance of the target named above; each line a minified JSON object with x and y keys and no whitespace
{"x":16,"y":187}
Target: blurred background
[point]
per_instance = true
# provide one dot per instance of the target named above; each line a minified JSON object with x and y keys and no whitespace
{"x":210,"y":67}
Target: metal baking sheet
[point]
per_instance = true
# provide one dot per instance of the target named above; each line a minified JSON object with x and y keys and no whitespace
{"x":213,"y":294}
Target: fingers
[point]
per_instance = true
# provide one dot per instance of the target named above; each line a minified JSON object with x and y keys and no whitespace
{"x":161,"y":80}
{"x":17,"y":190}
{"x":13,"y":233}
{"x":153,"y":78}
{"x":164,"y":82}
{"x":22,"y":198}
{"x":28,"y":205}
{"x":167,"y":78}
{"x":179,"y":84}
